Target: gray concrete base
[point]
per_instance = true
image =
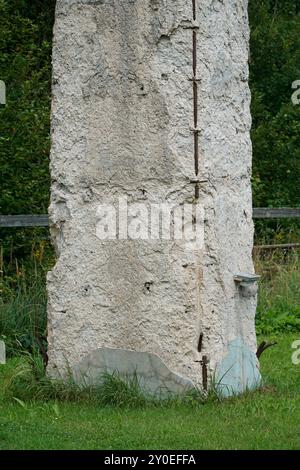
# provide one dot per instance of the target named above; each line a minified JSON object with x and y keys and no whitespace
{"x":153,"y":375}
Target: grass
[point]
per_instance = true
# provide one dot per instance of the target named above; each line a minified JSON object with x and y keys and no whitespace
{"x":23,"y":302}
{"x":36,"y":413}
{"x":267,"y":419}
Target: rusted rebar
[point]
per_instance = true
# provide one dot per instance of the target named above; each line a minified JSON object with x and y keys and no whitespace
{"x":200,"y":342}
{"x":204,"y":364}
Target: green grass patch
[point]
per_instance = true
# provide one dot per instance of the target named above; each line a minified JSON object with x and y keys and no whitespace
{"x":279,"y":295}
{"x":23,"y":305}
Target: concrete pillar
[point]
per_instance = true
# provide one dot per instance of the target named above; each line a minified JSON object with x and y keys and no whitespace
{"x":150,"y":107}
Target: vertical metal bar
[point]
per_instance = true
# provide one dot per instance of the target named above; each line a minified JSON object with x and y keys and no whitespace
{"x":204,"y":361}
{"x":195,"y":102}
{"x":204,"y":373}
{"x":195,"y":94}
{"x":196,"y":151}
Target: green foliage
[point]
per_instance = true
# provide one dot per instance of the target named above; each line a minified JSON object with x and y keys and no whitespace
{"x":23,"y":378}
{"x":120,"y":393}
{"x":25,"y":66}
{"x":23,"y":303}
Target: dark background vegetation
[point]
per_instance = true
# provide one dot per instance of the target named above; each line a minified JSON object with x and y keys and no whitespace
{"x":274,"y":66}
{"x":25,"y":67}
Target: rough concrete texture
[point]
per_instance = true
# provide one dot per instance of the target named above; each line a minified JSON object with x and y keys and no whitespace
{"x":145,"y":369}
{"x":121,"y":126}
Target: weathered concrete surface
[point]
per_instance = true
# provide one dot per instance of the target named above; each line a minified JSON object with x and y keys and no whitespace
{"x":121,"y":125}
{"x":148,"y":369}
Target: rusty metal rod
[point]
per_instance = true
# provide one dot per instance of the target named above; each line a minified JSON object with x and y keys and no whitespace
{"x":195,"y":103}
{"x":200,"y":342}
{"x":195,"y":95}
{"x":196,"y":151}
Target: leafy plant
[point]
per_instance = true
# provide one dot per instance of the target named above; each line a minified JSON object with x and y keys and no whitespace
{"x":279,"y":298}
{"x":274,"y":66}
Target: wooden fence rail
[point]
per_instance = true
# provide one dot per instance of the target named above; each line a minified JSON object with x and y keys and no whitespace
{"x":284,"y":213}
{"x":22,"y":221}
{"x":43,"y":221}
